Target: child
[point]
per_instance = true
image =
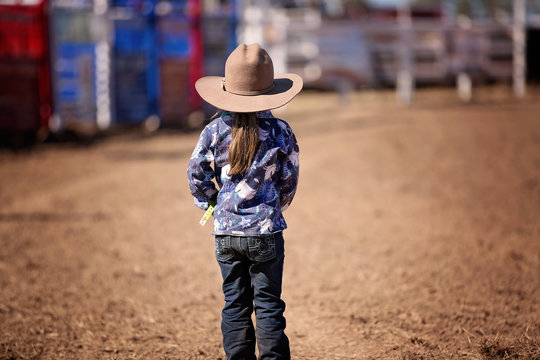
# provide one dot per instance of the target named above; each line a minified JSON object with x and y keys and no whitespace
{"x":255,"y":159}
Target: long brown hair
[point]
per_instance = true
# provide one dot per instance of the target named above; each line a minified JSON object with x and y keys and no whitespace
{"x":244,"y":142}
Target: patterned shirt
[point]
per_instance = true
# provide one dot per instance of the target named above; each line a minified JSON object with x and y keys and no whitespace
{"x":247,"y":204}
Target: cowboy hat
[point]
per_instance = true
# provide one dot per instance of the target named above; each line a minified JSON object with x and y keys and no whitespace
{"x":249,"y":84}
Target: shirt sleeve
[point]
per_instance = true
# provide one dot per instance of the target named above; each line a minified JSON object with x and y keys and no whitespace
{"x":289,"y":172}
{"x":200,"y":172}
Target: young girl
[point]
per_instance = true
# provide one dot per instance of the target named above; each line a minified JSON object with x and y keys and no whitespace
{"x":255,"y":164}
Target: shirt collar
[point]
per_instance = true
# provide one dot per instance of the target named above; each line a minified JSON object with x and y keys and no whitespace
{"x":266,"y":114}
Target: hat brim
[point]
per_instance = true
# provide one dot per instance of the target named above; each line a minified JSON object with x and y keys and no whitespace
{"x":287,"y":86}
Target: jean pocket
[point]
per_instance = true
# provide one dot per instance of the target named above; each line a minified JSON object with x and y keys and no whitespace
{"x":224,"y":251}
{"x":262,"y":249}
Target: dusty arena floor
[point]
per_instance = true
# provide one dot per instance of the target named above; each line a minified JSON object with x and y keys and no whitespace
{"x":415,"y":234}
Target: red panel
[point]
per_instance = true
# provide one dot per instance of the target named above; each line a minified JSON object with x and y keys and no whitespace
{"x":23,"y":31}
{"x":24,"y":39}
{"x":19,"y":95}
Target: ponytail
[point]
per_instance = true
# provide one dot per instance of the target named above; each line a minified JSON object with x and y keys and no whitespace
{"x":244,"y":142}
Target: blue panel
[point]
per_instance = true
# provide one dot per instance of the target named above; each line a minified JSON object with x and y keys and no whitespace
{"x":142,"y":7}
{"x":174,"y":37}
{"x":75,"y":71}
{"x":74,"y":75}
{"x":135,"y":69}
{"x":179,"y":5}
{"x":134,"y":35}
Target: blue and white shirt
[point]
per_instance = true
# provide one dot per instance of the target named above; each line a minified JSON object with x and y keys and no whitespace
{"x":247,"y":204}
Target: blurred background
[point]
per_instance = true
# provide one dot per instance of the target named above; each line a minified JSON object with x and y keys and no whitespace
{"x":88,"y":66}
{"x":415,"y":230}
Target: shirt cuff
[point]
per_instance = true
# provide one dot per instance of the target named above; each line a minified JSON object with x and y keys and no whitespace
{"x":201,"y":204}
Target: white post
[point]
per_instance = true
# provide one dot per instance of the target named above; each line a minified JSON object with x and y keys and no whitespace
{"x":405,"y":79}
{"x":519,"y":48}
{"x":100,"y":27}
{"x":253,"y":21}
{"x":464,"y":86}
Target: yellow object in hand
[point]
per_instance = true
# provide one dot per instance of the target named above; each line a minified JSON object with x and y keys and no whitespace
{"x":207,"y":214}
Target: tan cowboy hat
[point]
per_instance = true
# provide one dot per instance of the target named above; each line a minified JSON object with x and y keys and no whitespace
{"x":249,"y":84}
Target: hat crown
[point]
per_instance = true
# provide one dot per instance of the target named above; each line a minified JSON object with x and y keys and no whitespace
{"x":249,"y":71}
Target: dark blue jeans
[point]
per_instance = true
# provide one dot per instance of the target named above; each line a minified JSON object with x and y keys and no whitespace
{"x":252,"y":269}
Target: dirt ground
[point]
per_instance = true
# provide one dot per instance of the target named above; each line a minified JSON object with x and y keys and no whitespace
{"x":415,"y":234}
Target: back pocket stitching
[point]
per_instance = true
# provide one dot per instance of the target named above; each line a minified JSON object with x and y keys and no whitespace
{"x":257,"y":255}
{"x":226,"y":252}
